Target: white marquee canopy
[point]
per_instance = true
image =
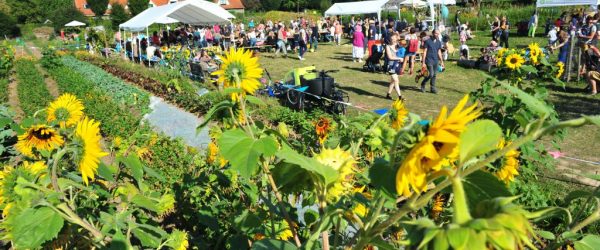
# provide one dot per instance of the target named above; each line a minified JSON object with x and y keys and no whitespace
{"x":356,"y":8}
{"x":189,"y":12}
{"x":558,"y":3}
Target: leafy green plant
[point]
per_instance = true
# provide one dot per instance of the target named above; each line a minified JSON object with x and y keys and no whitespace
{"x":120,"y":91}
{"x":50,"y":58}
{"x":7,"y":58}
{"x":33,"y":93}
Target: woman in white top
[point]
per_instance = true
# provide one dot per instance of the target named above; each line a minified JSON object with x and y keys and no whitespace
{"x":252,"y":37}
{"x":394,"y":66}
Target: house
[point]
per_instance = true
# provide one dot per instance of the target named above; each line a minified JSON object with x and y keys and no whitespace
{"x":154,"y":3}
{"x":84,"y":8}
{"x":231,"y":5}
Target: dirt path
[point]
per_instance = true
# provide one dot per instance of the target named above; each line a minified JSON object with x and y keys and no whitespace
{"x":50,"y":83}
{"x":13,"y":97}
{"x":576,"y":171}
{"x":34,"y":50}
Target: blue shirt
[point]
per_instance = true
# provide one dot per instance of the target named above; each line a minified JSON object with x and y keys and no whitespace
{"x":433,"y":46}
{"x":401,"y":52}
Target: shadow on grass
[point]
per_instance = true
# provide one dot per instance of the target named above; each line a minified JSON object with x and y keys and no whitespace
{"x":574,"y":106}
{"x":360,"y":91}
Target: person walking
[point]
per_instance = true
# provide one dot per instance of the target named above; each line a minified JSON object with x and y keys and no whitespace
{"x":413,"y":48}
{"x":504,"y":27}
{"x":314,"y":37}
{"x":281,"y":40}
{"x":433,"y":58}
{"x":393,"y":66}
{"x":533,"y":22}
{"x":302,"y":42}
{"x":358,"y":44}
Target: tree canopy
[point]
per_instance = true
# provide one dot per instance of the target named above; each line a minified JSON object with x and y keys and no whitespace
{"x":98,"y":6}
{"x":118,"y":15}
{"x":137,"y":6}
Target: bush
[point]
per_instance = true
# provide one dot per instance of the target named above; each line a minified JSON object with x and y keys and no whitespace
{"x":118,"y":15}
{"x":33,"y":94}
{"x":3,"y":90}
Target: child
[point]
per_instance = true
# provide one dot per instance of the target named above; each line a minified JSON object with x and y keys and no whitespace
{"x":464,"y":52}
{"x":553,"y":37}
{"x":401,"y":53}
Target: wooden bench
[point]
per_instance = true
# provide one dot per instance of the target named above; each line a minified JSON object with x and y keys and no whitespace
{"x":261,"y":48}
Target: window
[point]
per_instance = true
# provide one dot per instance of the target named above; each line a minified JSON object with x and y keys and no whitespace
{"x":172,"y":1}
{"x":86,"y":6}
{"x":109,"y":6}
{"x":223,"y":2}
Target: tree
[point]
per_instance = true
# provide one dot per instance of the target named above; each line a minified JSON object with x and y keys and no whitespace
{"x":271,"y":4}
{"x":118,"y":15}
{"x":8,"y":25}
{"x":252,"y":4}
{"x":98,"y":6}
{"x":24,"y":11}
{"x":137,"y":6}
{"x":63,"y":16}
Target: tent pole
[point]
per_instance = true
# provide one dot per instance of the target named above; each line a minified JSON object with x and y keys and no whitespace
{"x":148,"y":44}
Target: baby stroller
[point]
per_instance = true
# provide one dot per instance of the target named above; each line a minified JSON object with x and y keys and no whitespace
{"x":373,"y":62}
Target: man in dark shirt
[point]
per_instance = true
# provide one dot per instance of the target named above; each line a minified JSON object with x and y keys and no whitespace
{"x":433,"y":57}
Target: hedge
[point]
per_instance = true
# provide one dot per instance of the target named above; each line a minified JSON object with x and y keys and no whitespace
{"x":33,"y":94}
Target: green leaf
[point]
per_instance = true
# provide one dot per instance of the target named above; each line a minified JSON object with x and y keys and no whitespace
{"x":482,"y":185}
{"x":479,"y":137}
{"x":243,"y":152}
{"x":247,"y":221}
{"x":145,"y":202}
{"x":529,"y":69}
{"x":382,"y":244}
{"x":476,"y":240}
{"x":532,"y":103}
{"x":546,"y":235}
{"x":440,"y":242}
{"x":105,"y":172}
{"x":34,"y":226}
{"x":577,"y":194}
{"x":148,"y":238}
{"x":428,"y":236}
{"x":211,"y":114}
{"x":383,"y":177}
{"x":458,"y":237}
{"x":590,"y":242}
{"x":594,"y":119}
{"x":270,"y":244}
{"x":133,"y":163}
{"x":326,"y":174}
{"x":254,"y":100}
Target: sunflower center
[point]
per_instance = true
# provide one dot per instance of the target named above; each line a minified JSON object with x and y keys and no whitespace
{"x":514,"y":60}
{"x":42,"y":133}
{"x":62,"y":114}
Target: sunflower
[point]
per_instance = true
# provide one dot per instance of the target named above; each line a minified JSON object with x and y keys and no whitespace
{"x":511,"y":164}
{"x":399,"y":114}
{"x":40,"y":137}
{"x":360,"y":210}
{"x":322,"y":129}
{"x":502,"y":51}
{"x":561,"y":69}
{"x":36,"y":167}
{"x":285,"y":232}
{"x":66,"y":109}
{"x":437,"y":206}
{"x":514,"y":61}
{"x":534,"y":52}
{"x":240,"y":70}
{"x":342,"y":162}
{"x":87,"y":136}
{"x":437,"y":149}
{"x":178,"y":240}
{"x":187,"y":53}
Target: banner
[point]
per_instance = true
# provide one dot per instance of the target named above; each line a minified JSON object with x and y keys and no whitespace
{"x":556,"y":3}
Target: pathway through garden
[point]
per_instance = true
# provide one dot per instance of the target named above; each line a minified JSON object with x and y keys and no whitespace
{"x":13,"y":97}
{"x":176,"y":123}
{"x":50,"y":83}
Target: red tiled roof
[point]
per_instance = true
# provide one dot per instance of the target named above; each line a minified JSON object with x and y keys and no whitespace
{"x":160,"y":2}
{"x":233,"y":5}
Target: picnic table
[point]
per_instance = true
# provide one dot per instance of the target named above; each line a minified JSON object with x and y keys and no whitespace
{"x":260,"y":48}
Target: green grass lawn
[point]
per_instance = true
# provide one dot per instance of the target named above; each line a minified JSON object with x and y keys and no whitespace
{"x":368,"y":90}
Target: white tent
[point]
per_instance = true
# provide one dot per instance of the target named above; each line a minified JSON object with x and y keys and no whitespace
{"x":444,"y":2}
{"x":167,"y":20}
{"x":189,"y":12}
{"x":74,"y":24}
{"x":558,"y":3}
{"x":356,"y":8}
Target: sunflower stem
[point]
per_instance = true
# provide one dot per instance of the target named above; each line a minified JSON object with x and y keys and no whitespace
{"x":74,"y":218}
{"x":461,"y":208}
{"x":279,"y":197}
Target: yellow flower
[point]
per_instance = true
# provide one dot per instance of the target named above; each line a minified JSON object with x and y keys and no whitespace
{"x":437,"y":206}
{"x":501,"y":52}
{"x":40,"y":137}
{"x":117,"y":142}
{"x":212,"y":154}
{"x":561,"y":69}
{"x":87,"y":137}
{"x":285,"y":233}
{"x":66,"y":109}
{"x":178,"y":240}
{"x":534,"y":52}
{"x":399,"y":114}
{"x":322,"y":129}
{"x":514,"y":61}
{"x":510,"y":168}
{"x":36,"y":167}
{"x":360,"y":210}
{"x":187,"y":53}
{"x":342,"y":162}
{"x":240,"y":65}
{"x":437,"y":149}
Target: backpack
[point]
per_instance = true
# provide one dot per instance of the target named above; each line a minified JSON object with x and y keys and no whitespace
{"x":413,"y":45}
